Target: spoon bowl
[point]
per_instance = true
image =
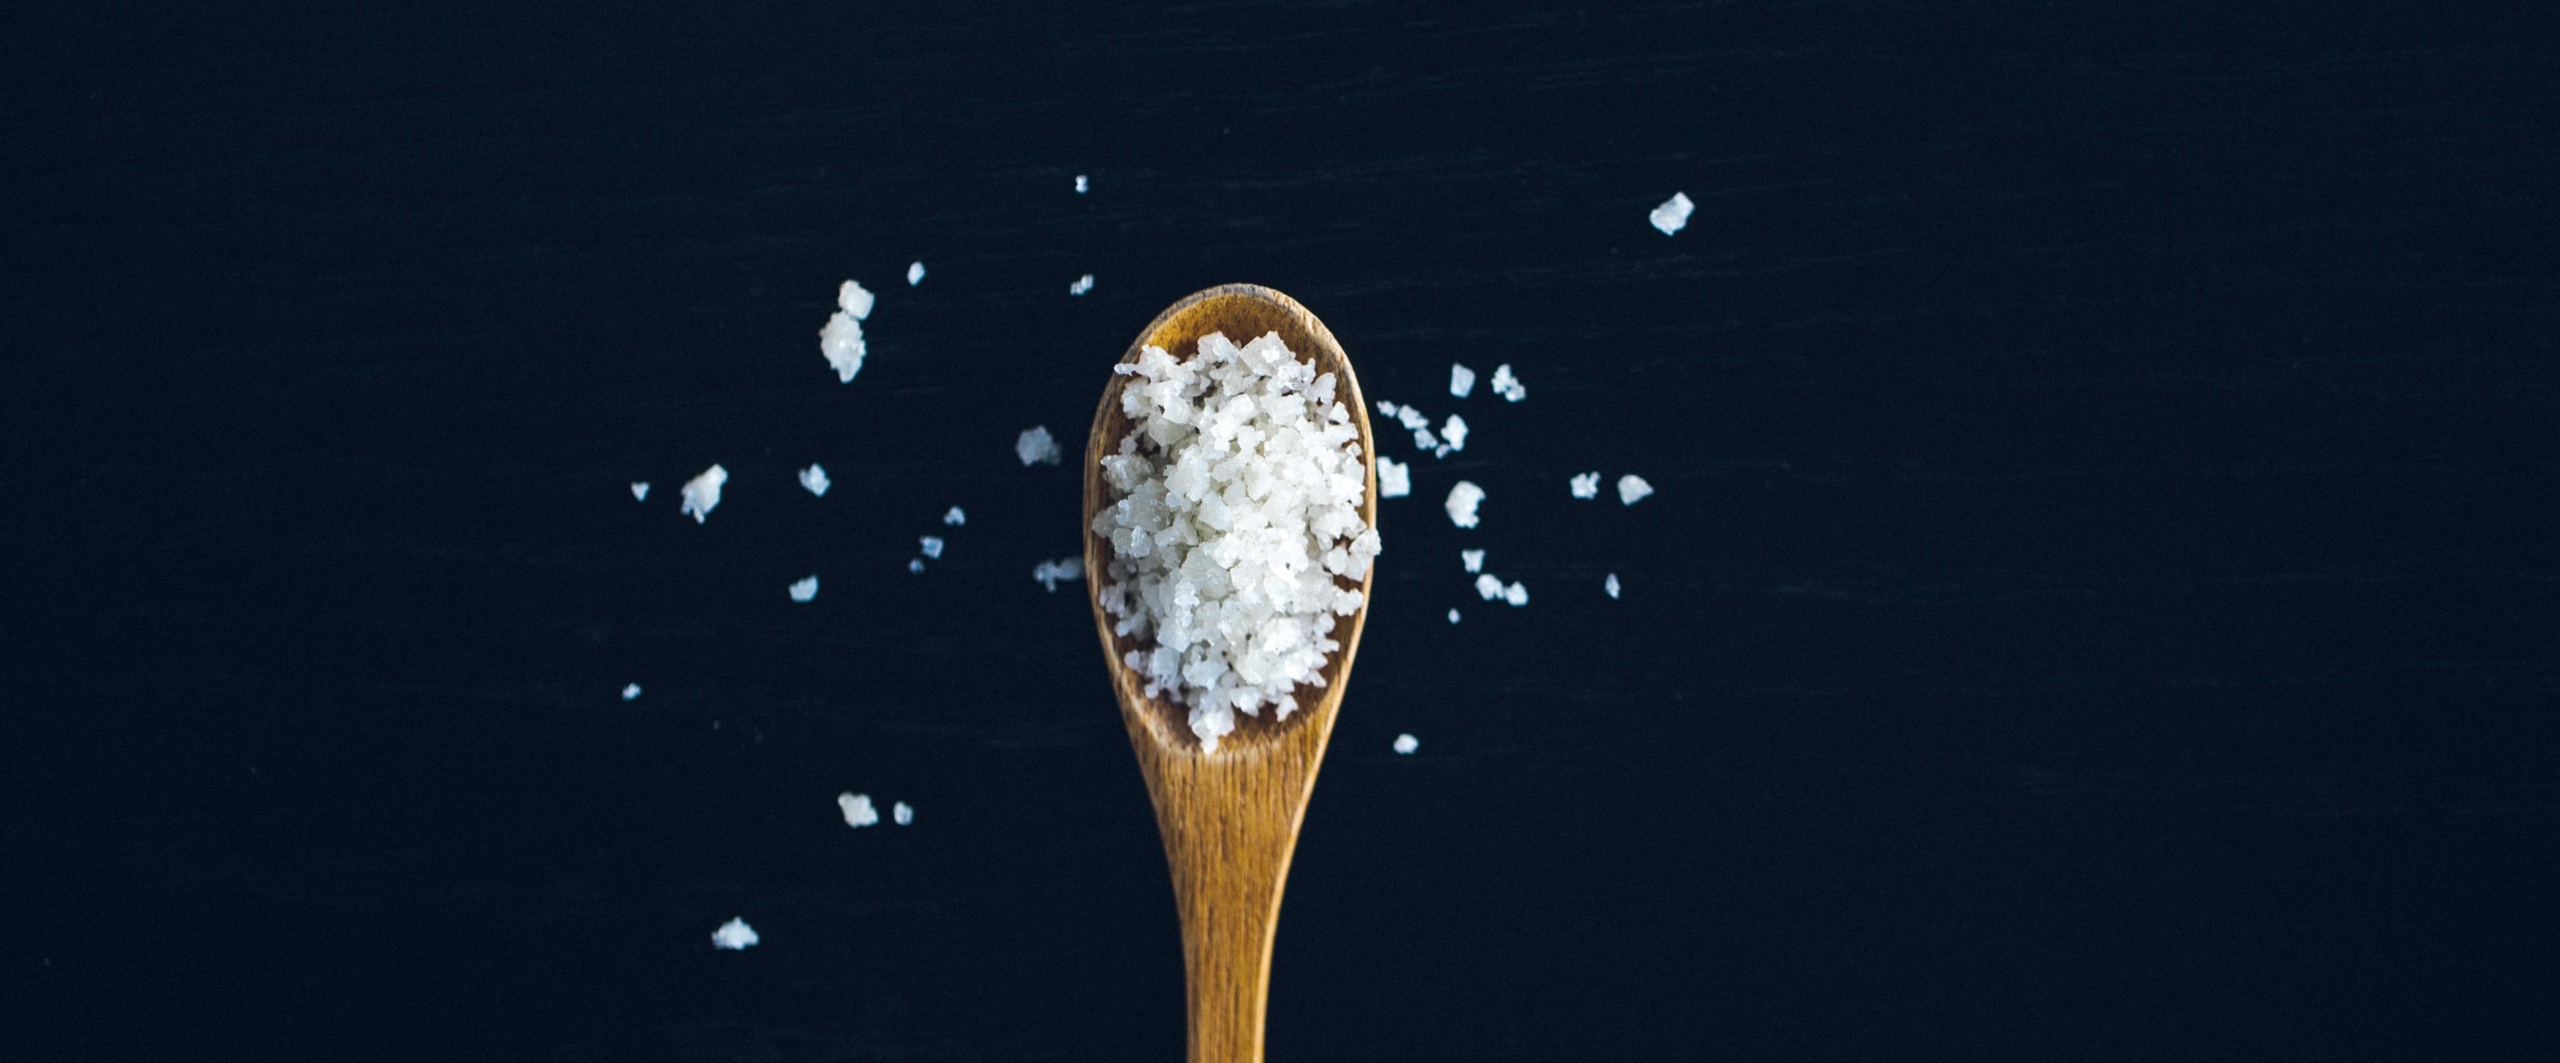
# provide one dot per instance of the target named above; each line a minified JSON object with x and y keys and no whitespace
{"x":1229,"y":819}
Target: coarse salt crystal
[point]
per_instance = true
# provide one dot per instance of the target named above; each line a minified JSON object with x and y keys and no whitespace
{"x":915,"y":274}
{"x":1516,"y":594}
{"x":1424,"y":440}
{"x":640,"y":490}
{"x":734,"y":934}
{"x":1406,"y":744}
{"x":955,"y":518}
{"x":1473,"y":559}
{"x":1461,"y":380}
{"x":1082,"y":285}
{"x":804,"y":589}
{"x":841,"y":339}
{"x":932,"y":546}
{"x":857,"y":809}
{"x":1611,"y":585}
{"x":1453,"y":616}
{"x":1395,"y":478}
{"x":1051,"y":573}
{"x":1462,"y":503}
{"x":1507,"y":385}
{"x":815,"y":479}
{"x":856,"y":300}
{"x":1631,"y":488}
{"x":1673,"y":214}
{"x":631,"y":692}
{"x":915,"y":564}
{"x":702,"y":493}
{"x":1488,"y":587}
{"x":1035,"y":446}
{"x":1412,"y":418}
{"x":902,"y":813}
{"x":1586,"y":485}
{"x":1080,"y":183}
{"x":1454,"y":432}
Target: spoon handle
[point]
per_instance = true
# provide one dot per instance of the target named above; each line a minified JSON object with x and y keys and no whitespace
{"x":1230,"y":823}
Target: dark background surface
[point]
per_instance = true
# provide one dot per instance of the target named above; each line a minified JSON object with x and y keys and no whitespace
{"x":2100,"y":602}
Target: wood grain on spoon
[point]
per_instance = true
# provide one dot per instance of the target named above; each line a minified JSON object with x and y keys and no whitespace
{"x":1230,"y":819}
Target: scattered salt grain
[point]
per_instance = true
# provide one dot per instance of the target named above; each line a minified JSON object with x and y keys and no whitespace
{"x":1395,"y":478}
{"x":804,"y":589}
{"x":1051,"y":573}
{"x":1673,"y":214}
{"x":1453,"y":433}
{"x":932,"y":545}
{"x":1406,"y":744}
{"x":734,"y":934}
{"x":1035,"y":446}
{"x":1386,"y":408}
{"x":1080,"y":183}
{"x":1586,"y":485}
{"x":1462,"y":503}
{"x":1507,"y":385}
{"x":1473,"y":559}
{"x":1410,"y":417}
{"x":1453,"y":616}
{"x":640,"y":490}
{"x":955,"y":518}
{"x":1488,"y":587}
{"x":841,"y":341}
{"x":1234,"y":524}
{"x":702,"y":493}
{"x":631,"y":692}
{"x":857,"y":809}
{"x":1632,"y":488}
{"x":915,"y":564}
{"x":915,"y":274}
{"x":815,"y":479}
{"x":1516,"y":594}
{"x":1611,"y":585}
{"x":1082,"y":285}
{"x":1424,"y":440}
{"x":1461,"y":380}
{"x":902,"y":813}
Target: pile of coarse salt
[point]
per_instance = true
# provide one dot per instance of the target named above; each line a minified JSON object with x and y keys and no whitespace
{"x":1236,"y":508}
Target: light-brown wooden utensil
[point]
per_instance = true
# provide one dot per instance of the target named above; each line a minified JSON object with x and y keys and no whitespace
{"x":1230,"y":819}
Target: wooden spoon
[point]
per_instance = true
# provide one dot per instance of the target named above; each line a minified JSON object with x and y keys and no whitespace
{"x":1230,"y":819}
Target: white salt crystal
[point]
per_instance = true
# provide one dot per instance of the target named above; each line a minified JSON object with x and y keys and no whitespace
{"x":857,"y":809}
{"x":815,"y":479}
{"x":734,"y":934}
{"x":1507,"y":385}
{"x":1461,"y":380}
{"x":1586,"y":485}
{"x":1632,"y":487}
{"x":1462,"y":503}
{"x":915,"y":274}
{"x":841,"y":340}
{"x":804,"y":589}
{"x":1412,"y":418}
{"x":1454,"y":432}
{"x":1516,"y":594}
{"x":1387,"y":408}
{"x":1424,"y":440}
{"x":1035,"y":446}
{"x":1082,"y":285}
{"x":915,"y":565}
{"x":1473,"y":559}
{"x":1052,"y":573}
{"x":902,"y":813}
{"x":1395,"y":478}
{"x":955,"y":518}
{"x":640,"y":490}
{"x":856,"y":300}
{"x":1673,"y":214}
{"x":1611,"y":585}
{"x":631,"y":692}
{"x":932,"y":546}
{"x":1235,"y":525}
{"x":1080,"y":184}
{"x":702,"y":493}
{"x":1488,"y":587}
{"x":1406,"y":744}
{"x":1453,"y":616}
